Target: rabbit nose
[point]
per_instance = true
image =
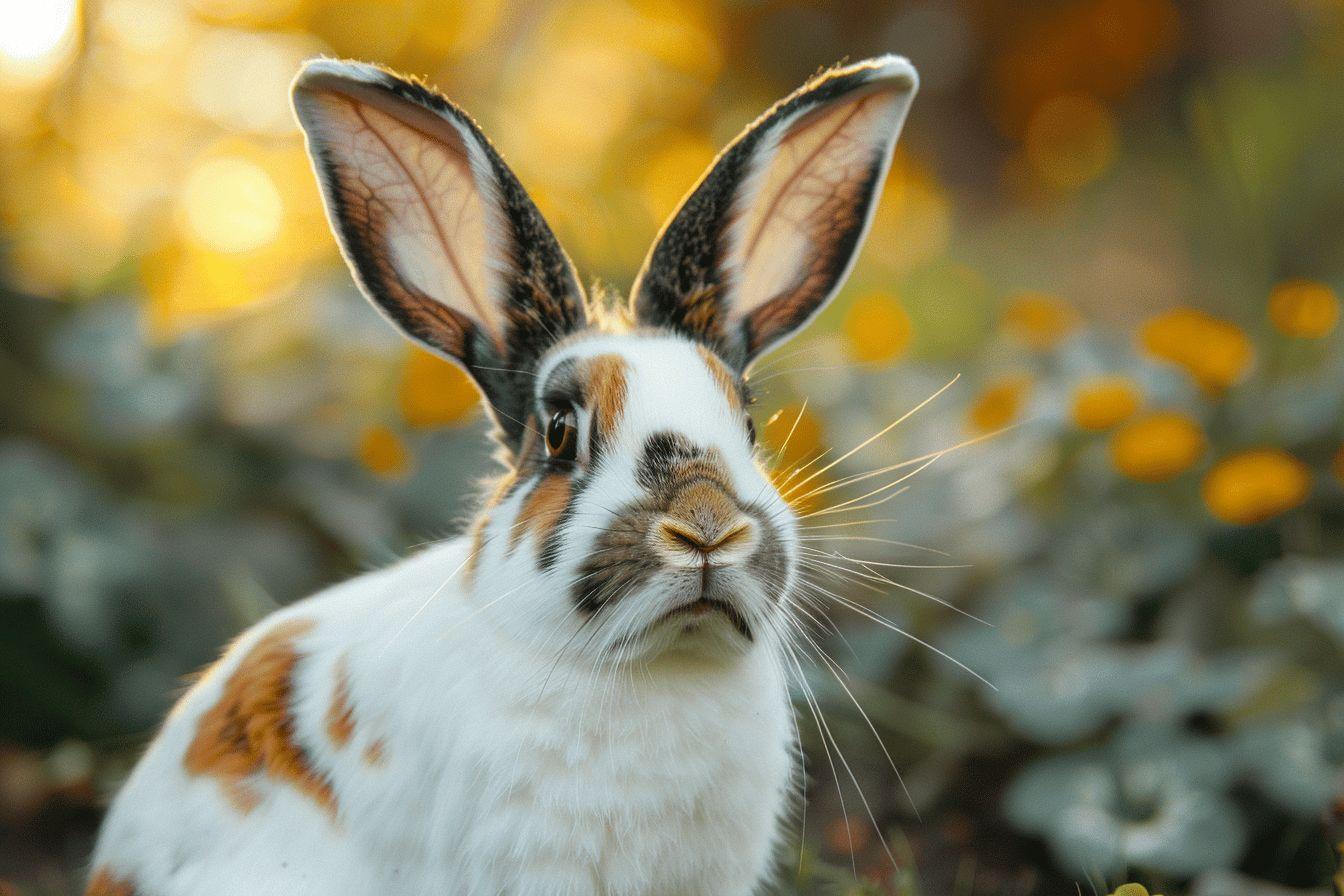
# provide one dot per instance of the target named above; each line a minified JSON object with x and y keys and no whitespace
{"x":702,"y":520}
{"x":680,"y":536}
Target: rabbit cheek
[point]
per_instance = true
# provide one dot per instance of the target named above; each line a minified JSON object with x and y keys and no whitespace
{"x":541,"y":510}
{"x":105,"y":883}
{"x":250,"y":730}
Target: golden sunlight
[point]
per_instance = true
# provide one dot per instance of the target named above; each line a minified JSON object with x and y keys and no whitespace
{"x":35,"y":37}
{"x":232,"y":205}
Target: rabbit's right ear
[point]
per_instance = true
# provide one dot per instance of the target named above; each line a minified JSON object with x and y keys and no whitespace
{"x":439,"y":233}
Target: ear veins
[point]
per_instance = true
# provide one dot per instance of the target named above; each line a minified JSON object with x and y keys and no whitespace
{"x":250,"y":731}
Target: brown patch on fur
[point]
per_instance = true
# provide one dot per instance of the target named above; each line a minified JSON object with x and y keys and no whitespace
{"x":340,"y":714}
{"x":105,"y":883}
{"x":250,"y":731}
{"x":477,"y":546}
{"x":605,"y":377}
{"x":723,"y":377}
{"x":375,"y":754}
{"x":542,"y":509}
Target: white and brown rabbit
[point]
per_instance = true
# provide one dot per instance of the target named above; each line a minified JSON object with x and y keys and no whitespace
{"x":586,"y":694}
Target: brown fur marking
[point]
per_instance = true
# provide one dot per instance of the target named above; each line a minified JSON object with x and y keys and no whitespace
{"x":541,"y":509}
{"x":105,"y":883}
{"x":375,"y":754}
{"x":340,"y":714}
{"x":605,"y":376}
{"x":722,"y":376}
{"x":250,"y":731}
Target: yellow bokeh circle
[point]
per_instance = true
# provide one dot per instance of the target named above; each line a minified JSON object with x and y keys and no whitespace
{"x":1254,"y":486}
{"x":1105,"y":401}
{"x":1158,"y":446}
{"x":1304,"y":308}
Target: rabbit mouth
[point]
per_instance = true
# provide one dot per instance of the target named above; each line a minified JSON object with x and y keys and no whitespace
{"x":703,"y":607}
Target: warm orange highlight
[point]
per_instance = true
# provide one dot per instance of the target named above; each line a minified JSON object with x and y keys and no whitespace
{"x":876,"y":328}
{"x":605,"y":376}
{"x":250,"y":731}
{"x":1000,"y":404}
{"x":434,"y":392}
{"x":105,"y":883}
{"x":1039,"y":320}
{"x":723,"y":377}
{"x":1157,"y":447}
{"x":340,"y":714}
{"x":383,"y":452}
{"x":542,"y":508}
{"x":1305,"y":309}
{"x":1215,"y":352}
{"x":1105,"y":401}
{"x":1255,"y":486}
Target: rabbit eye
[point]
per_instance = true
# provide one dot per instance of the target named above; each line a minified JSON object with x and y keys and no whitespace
{"x":562,"y":435}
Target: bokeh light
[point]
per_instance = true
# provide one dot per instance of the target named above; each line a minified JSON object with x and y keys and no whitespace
{"x":1111,"y":226}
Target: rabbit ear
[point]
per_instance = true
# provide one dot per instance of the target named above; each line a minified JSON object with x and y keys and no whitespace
{"x":770,"y":232}
{"x":437,"y":230}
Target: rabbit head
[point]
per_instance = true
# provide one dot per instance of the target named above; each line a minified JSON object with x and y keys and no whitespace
{"x":635,"y":518}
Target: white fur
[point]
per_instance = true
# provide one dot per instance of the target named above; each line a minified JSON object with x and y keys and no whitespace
{"x":528,"y":747}
{"x":517,"y":759}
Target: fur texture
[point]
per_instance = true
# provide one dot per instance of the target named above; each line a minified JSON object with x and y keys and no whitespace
{"x":586,"y":693}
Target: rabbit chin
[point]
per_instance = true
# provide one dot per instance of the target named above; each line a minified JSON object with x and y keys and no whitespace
{"x":697,"y":617}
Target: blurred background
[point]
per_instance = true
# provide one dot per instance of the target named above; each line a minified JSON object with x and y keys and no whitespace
{"x":1120,"y":221}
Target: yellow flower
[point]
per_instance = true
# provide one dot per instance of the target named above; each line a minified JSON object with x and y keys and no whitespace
{"x":1254,"y":486}
{"x":1000,"y":404}
{"x":1105,"y":401}
{"x":1130,"y":890}
{"x":877,"y":328}
{"x":383,"y":453}
{"x":1039,"y":320}
{"x":1304,"y":308}
{"x":434,"y":392}
{"x":1215,"y":352}
{"x":1157,"y":447}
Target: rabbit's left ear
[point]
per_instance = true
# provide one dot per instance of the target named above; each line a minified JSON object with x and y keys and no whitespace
{"x":769,"y":234}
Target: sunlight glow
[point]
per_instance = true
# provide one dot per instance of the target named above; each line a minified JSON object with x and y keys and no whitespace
{"x":34,"y":37}
{"x":232,"y":205}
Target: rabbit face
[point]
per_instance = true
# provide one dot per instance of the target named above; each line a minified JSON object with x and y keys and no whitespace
{"x":640,"y":503}
{"x":634,"y":517}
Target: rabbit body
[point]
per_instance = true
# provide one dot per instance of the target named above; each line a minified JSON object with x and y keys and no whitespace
{"x":587,"y":693}
{"x":460,"y":774}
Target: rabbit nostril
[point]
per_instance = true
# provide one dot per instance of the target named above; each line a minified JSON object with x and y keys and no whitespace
{"x":685,"y":537}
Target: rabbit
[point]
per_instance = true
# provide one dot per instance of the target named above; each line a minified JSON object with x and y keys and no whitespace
{"x":585,"y":693}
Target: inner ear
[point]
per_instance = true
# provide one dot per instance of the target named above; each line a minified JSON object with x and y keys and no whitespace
{"x":770,"y":232}
{"x":437,"y":230}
